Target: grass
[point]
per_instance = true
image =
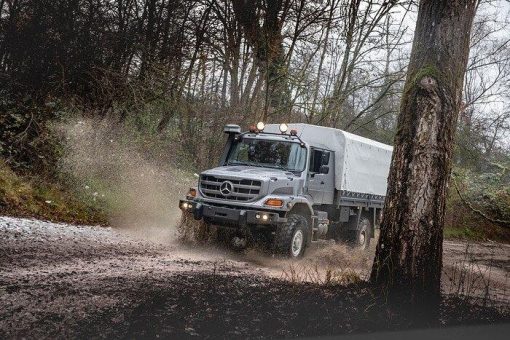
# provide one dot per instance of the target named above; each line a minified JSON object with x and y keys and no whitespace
{"x":477,"y":232}
{"x":463,"y":233}
{"x":319,"y":276}
{"x":30,"y":197}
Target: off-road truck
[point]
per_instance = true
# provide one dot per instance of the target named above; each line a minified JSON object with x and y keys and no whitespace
{"x":292,"y":185}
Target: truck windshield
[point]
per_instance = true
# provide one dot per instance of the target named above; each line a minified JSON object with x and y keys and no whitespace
{"x":269,"y":154}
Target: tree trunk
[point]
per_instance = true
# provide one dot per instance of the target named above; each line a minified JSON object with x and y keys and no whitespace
{"x":263,"y":32}
{"x":409,"y":253}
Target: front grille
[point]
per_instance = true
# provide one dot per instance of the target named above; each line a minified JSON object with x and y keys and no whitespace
{"x":243,"y":189}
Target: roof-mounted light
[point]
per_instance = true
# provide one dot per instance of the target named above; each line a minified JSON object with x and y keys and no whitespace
{"x":283,"y":128}
{"x":252,"y":129}
{"x":293,"y":132}
{"x":261,"y":126}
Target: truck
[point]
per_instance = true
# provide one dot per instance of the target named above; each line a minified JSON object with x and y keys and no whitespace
{"x":291,"y":185}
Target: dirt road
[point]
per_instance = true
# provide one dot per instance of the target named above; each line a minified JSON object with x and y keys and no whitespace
{"x":66,"y":281}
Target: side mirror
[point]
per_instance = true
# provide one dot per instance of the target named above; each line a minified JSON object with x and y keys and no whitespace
{"x":324,"y":169}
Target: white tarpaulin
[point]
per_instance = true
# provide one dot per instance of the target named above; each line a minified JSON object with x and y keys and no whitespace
{"x":361,"y":164}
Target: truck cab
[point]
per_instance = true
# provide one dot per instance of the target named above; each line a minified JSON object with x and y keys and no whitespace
{"x":287,"y":184}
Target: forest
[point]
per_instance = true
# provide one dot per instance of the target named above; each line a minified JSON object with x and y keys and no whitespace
{"x":111,"y":111}
{"x":171,"y":73}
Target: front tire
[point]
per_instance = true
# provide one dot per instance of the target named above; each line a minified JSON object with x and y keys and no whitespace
{"x":231,"y":239}
{"x":291,"y":237}
{"x":191,"y":230}
{"x":224,"y":236}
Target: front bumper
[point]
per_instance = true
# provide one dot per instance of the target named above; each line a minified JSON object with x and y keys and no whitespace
{"x":232,"y":216}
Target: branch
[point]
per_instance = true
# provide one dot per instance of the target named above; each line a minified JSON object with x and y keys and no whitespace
{"x":478,"y":211}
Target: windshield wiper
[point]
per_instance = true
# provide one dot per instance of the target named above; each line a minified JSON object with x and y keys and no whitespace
{"x":274,"y":166}
{"x":242,"y":163}
{"x":270,"y":166}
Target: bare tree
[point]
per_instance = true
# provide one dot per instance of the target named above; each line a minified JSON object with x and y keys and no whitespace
{"x":262,"y":23}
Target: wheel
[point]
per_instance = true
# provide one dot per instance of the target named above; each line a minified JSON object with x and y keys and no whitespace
{"x":231,"y":239}
{"x":190,"y":230}
{"x":292,"y":236}
{"x":183,"y":229}
{"x":224,"y":236}
{"x":201,"y":231}
{"x":360,"y":238}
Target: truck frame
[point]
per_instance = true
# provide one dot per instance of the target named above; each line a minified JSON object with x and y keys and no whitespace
{"x":291,"y":185}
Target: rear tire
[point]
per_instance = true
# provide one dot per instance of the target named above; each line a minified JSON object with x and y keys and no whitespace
{"x":360,"y":238}
{"x":291,"y":237}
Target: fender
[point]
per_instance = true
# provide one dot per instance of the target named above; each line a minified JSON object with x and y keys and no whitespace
{"x":302,"y":204}
{"x":304,"y":208}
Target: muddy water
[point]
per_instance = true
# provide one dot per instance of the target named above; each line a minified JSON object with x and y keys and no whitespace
{"x":33,"y":247}
{"x":55,"y":276}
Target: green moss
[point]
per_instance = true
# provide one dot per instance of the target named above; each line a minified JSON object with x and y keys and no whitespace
{"x":22,"y":196}
{"x":426,"y":71}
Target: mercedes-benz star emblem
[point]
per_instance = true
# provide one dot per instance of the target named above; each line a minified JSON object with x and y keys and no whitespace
{"x":226,"y":188}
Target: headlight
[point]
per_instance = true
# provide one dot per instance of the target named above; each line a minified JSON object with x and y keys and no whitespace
{"x":283,"y":128}
{"x":261,"y":126}
{"x":264,"y":217}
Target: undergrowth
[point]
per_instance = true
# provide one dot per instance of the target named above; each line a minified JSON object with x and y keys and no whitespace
{"x":32,"y":197}
{"x":317,"y":275}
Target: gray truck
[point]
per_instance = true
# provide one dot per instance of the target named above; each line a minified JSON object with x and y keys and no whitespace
{"x":291,"y":185}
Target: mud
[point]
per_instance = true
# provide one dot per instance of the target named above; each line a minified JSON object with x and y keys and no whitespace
{"x":480,"y":270}
{"x":66,"y":281}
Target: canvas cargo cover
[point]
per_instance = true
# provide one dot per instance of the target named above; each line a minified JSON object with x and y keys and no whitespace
{"x":361,"y":164}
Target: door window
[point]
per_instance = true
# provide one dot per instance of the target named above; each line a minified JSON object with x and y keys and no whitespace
{"x":318,"y":158}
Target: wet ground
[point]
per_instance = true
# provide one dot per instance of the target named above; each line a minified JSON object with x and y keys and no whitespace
{"x":70,"y":281}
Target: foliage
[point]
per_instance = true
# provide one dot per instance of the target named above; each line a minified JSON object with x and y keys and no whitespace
{"x":31,"y":197}
{"x":487,"y":192}
{"x":26,"y":140}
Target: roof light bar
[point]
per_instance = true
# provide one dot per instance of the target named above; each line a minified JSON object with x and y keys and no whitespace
{"x":261,"y":126}
{"x":283,"y":128}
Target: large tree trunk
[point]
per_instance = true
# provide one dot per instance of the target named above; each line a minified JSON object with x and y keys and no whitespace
{"x":409,"y":253}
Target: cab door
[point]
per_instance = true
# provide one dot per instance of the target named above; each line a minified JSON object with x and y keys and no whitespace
{"x":320,"y":175}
